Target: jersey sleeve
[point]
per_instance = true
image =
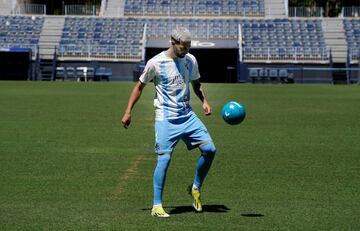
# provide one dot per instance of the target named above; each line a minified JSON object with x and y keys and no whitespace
{"x":148,"y":73}
{"x":194,"y":74}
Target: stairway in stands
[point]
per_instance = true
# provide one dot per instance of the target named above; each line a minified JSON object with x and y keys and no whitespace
{"x":275,"y":8}
{"x":334,"y":35}
{"x":115,"y":8}
{"x":5,"y":8}
{"x":48,"y":42}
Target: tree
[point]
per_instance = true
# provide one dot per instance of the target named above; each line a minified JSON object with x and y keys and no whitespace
{"x":332,"y":8}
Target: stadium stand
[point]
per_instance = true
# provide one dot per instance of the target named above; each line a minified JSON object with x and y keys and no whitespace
{"x":20,"y":31}
{"x":249,"y":8}
{"x":200,"y":28}
{"x":261,"y":31}
{"x":284,"y":39}
{"x":274,"y":40}
{"x":263,"y":39}
{"x":352,"y":32}
{"x":105,"y":38}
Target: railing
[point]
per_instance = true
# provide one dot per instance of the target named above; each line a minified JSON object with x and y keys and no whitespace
{"x":305,"y":11}
{"x":144,"y":42}
{"x":353,"y":11}
{"x":354,"y":55}
{"x":240,"y":41}
{"x":103,"y":52}
{"x":295,"y":54}
{"x":194,"y":11}
{"x":33,"y":47}
{"x":30,"y":9}
{"x":40,"y":9}
{"x":81,"y":10}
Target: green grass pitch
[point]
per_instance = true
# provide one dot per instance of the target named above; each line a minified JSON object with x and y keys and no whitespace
{"x":67,"y":164}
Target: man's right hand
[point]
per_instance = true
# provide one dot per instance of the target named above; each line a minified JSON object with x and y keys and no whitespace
{"x":126,"y":120}
{"x":134,"y":96}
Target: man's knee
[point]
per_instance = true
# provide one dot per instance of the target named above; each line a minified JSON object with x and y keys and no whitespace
{"x":208,"y":148}
{"x":164,"y":158}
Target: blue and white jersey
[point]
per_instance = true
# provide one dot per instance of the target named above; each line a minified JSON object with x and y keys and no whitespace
{"x":171,"y":78}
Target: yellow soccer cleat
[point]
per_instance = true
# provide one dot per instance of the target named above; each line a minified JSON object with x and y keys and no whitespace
{"x":195,"y":194}
{"x":158,"y":211}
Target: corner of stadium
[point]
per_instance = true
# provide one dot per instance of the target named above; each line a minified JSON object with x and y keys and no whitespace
{"x":257,"y":41}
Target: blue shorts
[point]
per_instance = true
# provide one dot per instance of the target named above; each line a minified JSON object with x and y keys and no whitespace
{"x":190,"y":129}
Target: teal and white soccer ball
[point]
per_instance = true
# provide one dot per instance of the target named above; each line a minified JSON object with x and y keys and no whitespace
{"x":233,"y":113}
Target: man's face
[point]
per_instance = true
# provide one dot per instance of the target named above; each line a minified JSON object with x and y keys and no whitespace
{"x":181,"y":48}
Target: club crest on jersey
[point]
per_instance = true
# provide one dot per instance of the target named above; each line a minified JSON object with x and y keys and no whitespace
{"x":177,"y":80}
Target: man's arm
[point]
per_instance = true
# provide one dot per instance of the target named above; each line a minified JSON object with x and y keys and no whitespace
{"x":134,"y":97}
{"x":199,"y":91}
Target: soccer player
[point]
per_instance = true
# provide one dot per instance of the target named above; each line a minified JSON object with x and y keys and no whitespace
{"x":172,"y":71}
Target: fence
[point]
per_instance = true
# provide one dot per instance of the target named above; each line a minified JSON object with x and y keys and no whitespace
{"x":353,"y":11}
{"x":81,"y":10}
{"x":68,"y":9}
{"x":354,"y":55}
{"x":30,"y":9}
{"x":305,"y":11}
{"x":289,"y":54}
{"x":194,"y":11}
{"x":99,"y":52}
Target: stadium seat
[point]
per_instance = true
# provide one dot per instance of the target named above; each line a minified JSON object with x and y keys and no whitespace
{"x":100,"y":74}
{"x":273,"y":75}
{"x":283,"y":75}
{"x":60,"y":73}
{"x":263,"y":74}
{"x":85,"y":73}
{"x":253,"y":74}
{"x":70,"y":73}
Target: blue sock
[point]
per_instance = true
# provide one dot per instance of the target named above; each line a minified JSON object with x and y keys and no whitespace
{"x":160,"y":176}
{"x":204,"y":163}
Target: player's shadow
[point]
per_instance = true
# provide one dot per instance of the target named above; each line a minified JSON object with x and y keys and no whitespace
{"x":190,"y":209}
{"x":252,"y":215}
{"x":206,"y":208}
